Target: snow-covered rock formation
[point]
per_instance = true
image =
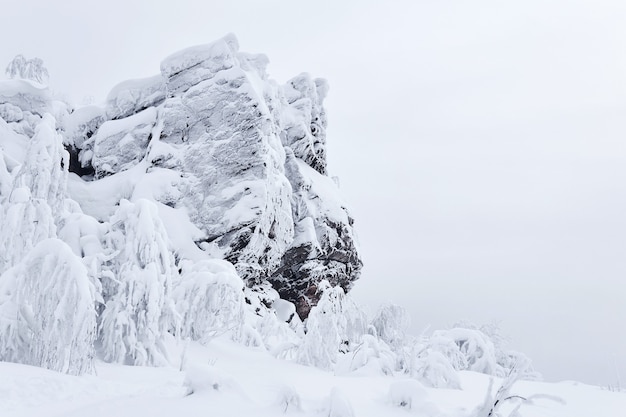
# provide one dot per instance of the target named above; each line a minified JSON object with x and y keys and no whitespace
{"x":242,"y":157}
{"x":208,"y":161}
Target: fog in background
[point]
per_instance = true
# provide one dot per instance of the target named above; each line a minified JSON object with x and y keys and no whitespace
{"x":481,"y":145}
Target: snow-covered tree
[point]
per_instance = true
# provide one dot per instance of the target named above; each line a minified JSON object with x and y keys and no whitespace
{"x":28,"y":69}
{"x":334,"y":326}
{"x":209,"y":298}
{"x":391,"y":324}
{"x":138,"y":306}
{"x":26,"y":222}
{"x":434,"y":369}
{"x":85,"y":235}
{"x":37,"y":196}
{"x":46,"y":165}
{"x":47,"y":315}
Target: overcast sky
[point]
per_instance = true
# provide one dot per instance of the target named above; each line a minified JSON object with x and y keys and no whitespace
{"x":482,"y":145}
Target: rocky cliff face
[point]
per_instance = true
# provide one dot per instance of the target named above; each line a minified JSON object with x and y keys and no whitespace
{"x":236,"y":163}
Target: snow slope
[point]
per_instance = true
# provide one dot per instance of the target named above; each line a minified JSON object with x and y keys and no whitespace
{"x":226,"y":379}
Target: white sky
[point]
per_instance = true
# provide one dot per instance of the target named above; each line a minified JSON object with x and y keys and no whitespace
{"x":481,"y":144}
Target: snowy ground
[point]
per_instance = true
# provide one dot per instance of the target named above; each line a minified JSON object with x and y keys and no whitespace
{"x":225,"y":379}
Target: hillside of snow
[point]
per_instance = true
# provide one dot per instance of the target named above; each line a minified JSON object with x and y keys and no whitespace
{"x":182,"y":248}
{"x":225,"y":379}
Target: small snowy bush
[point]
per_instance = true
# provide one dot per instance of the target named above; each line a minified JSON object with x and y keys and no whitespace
{"x":478,"y":350}
{"x":391,"y":324}
{"x":441,"y":341}
{"x":209,"y":298}
{"x":270,"y":322}
{"x":483,"y":348}
{"x":28,"y":69}
{"x":371,"y":356}
{"x":334,"y":326}
{"x":503,"y":403}
{"x":434,"y":369}
{"x":47,"y":314}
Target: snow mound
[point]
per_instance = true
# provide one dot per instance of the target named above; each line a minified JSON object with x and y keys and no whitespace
{"x":408,"y":393}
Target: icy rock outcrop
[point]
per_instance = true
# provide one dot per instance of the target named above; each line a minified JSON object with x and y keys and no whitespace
{"x":189,"y":67}
{"x":248,"y":162}
{"x":324,"y":247}
{"x":133,"y":96}
{"x":219,"y":118}
{"x":305,"y":120}
{"x":26,"y":95}
{"x":121,"y":144}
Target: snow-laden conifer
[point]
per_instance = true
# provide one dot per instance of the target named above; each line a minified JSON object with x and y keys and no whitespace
{"x":36,"y":197}
{"x":138,"y":306}
{"x":47,"y":315}
{"x":26,"y":222}
{"x":334,"y":326}
{"x":391,"y":323}
{"x":29,"y":69}
{"x":45,"y":168}
{"x":209,"y":298}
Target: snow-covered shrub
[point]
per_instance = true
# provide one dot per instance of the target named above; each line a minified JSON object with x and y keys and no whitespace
{"x":435,"y":360}
{"x":372,"y":356}
{"x":138,"y":307}
{"x":334,"y":326}
{"x":507,"y":359}
{"x":435,"y":370}
{"x":466,"y":349}
{"x":270,"y":322}
{"x":511,"y":359}
{"x":209,"y":298}
{"x":503,"y":403}
{"x":85,"y":235}
{"x":391,"y":324}
{"x":47,"y":314}
{"x":432,"y":360}
{"x":46,"y":165}
{"x":26,"y":222}
{"x":278,"y":337}
{"x":441,"y":341}
{"x":28,"y":69}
